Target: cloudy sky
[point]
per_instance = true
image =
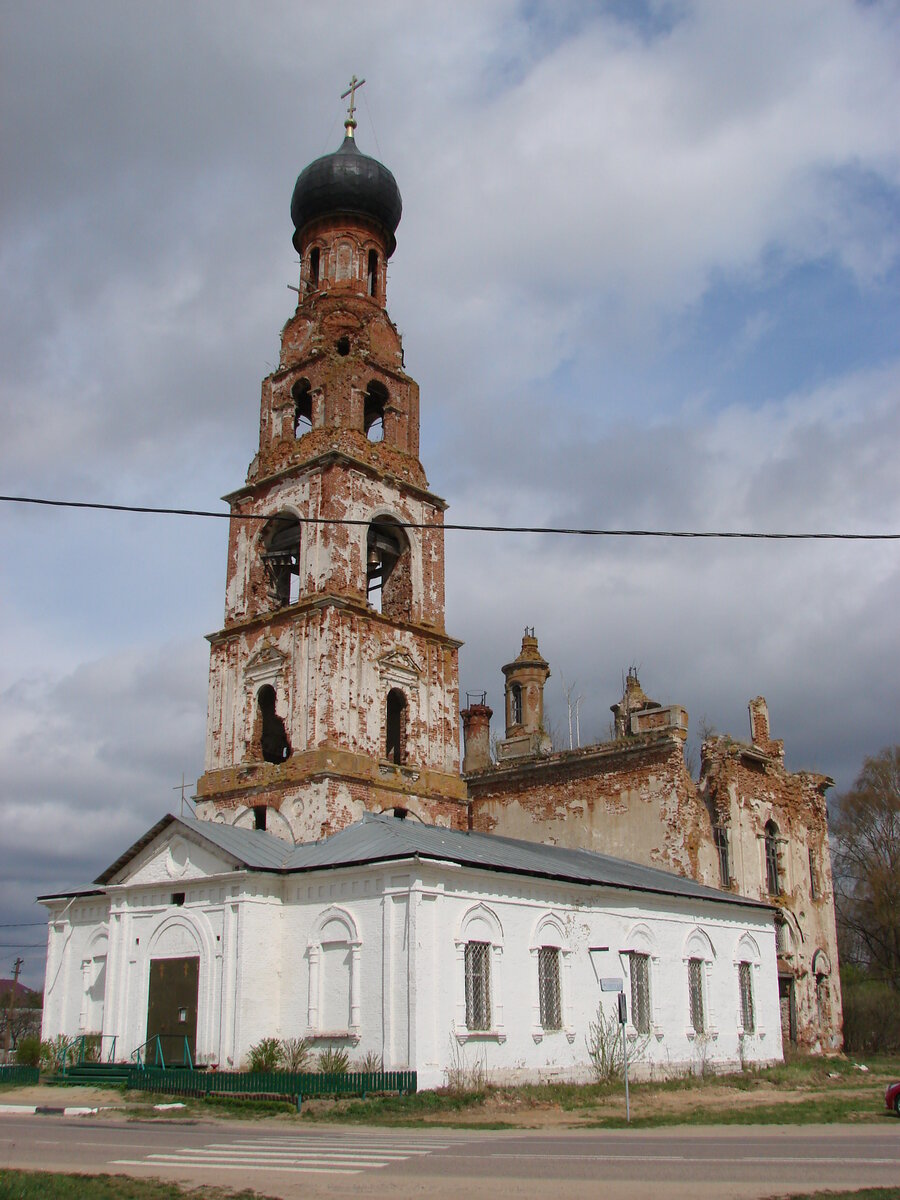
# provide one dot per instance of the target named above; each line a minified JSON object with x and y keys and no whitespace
{"x":647,"y":276}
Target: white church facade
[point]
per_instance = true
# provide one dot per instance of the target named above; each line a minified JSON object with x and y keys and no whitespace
{"x":434,"y":950}
{"x":331,"y":885}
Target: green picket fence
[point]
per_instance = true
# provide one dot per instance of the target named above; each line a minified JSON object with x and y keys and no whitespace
{"x":21,"y":1075}
{"x":306,"y":1085}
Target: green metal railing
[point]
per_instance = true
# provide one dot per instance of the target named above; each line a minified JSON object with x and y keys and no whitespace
{"x":153,"y":1047}
{"x":305,"y":1085}
{"x":21,"y":1075}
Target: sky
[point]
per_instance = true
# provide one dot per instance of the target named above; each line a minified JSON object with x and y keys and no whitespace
{"x":647,"y":276}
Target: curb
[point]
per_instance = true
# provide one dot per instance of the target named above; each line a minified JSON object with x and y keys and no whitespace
{"x":46,"y":1110}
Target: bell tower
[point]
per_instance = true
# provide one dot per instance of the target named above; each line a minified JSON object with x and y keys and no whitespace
{"x":333,"y":683}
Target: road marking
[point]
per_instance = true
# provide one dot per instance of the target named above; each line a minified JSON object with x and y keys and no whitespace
{"x":139,"y":1162}
{"x":788,"y":1160}
{"x":314,"y":1154}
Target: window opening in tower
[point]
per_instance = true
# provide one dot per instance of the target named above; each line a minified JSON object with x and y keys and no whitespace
{"x":302,"y":395}
{"x":374,"y":406}
{"x":273,"y":740}
{"x":281,"y":557}
{"x":314,"y":267}
{"x":372,"y":277}
{"x":395,"y":727}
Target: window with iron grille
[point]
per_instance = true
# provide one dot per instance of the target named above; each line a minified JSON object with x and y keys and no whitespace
{"x":721,"y":839}
{"x":695,"y":988}
{"x":745,"y":979}
{"x":639,"y":970}
{"x":478,"y":985}
{"x":548,"y":986}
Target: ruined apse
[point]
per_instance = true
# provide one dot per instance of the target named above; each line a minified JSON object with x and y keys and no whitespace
{"x":749,"y":825}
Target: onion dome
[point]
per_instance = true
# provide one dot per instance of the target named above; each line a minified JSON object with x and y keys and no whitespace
{"x":347,"y":182}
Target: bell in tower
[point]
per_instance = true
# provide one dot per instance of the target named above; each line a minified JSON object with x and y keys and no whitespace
{"x":333,"y":683}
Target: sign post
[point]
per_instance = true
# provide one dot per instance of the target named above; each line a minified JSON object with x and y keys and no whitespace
{"x":623,"y":1017}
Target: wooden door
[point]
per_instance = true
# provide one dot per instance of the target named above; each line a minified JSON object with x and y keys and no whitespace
{"x":172,"y":1008}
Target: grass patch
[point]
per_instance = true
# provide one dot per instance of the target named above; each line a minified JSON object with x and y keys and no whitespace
{"x":45,"y":1185}
{"x":862,"y":1194}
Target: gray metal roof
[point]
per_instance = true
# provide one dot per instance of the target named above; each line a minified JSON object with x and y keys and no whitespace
{"x":383,"y":838}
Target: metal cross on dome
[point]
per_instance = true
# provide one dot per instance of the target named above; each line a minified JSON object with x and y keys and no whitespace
{"x":355,"y":83}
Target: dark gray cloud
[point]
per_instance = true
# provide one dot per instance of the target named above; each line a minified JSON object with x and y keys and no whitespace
{"x":582,"y":184}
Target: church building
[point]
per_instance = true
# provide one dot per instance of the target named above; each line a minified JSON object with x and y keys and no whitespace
{"x":343,"y":880}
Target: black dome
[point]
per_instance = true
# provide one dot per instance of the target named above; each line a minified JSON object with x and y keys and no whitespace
{"x":347,"y":181}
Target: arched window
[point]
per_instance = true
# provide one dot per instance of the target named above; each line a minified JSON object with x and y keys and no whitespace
{"x":388,"y":573}
{"x":273,"y":740}
{"x":395,"y":726}
{"x":373,"y":411}
{"x":302,"y":395}
{"x":314,"y":267}
{"x":772,"y":880}
{"x":515,"y":704}
{"x":479,"y":946}
{"x":334,"y":950}
{"x":281,"y":557}
{"x":372,"y":274}
{"x":698,"y":956}
{"x":821,"y":967}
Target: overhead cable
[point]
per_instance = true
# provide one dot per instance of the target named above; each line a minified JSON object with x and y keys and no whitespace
{"x":747,"y":535}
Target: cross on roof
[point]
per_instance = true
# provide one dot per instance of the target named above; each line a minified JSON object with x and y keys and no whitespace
{"x":351,"y":108}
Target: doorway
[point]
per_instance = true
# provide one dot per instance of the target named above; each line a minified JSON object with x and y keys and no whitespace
{"x":172,"y":1009}
{"x":787,"y":1001}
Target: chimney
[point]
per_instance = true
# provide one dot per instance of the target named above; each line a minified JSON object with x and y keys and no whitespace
{"x":476,"y":733}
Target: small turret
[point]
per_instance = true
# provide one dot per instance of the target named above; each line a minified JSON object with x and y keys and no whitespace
{"x":525,"y":679}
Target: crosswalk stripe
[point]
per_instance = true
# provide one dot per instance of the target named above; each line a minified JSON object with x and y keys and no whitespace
{"x":143,"y":1162}
{"x":314,"y":1154}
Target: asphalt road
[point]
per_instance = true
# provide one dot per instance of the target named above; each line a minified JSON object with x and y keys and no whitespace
{"x":292,"y":1161}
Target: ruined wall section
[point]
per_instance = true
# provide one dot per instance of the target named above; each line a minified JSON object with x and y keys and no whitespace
{"x":632,"y":798}
{"x":748,"y":788}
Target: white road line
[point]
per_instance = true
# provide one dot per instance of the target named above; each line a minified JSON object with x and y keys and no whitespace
{"x":142,"y":1162}
{"x":747,"y":1158}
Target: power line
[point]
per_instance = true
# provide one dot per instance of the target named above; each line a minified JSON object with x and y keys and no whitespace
{"x":20,"y":924}
{"x":745,"y":535}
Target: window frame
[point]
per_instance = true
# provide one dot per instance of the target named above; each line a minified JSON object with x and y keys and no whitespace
{"x":478,"y":986}
{"x":550,"y":989}
{"x":747,"y":1010}
{"x":639,"y":980}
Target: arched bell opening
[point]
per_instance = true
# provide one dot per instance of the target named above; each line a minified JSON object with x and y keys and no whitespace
{"x":388,"y":569}
{"x":281,"y":558}
{"x":374,"y":408}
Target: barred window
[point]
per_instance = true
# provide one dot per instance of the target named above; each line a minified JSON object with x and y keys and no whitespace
{"x":721,"y":839}
{"x":745,"y":979}
{"x":548,"y":985}
{"x":478,"y":985}
{"x":640,"y":991}
{"x":695,"y":988}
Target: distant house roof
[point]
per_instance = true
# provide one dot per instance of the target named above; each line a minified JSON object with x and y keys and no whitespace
{"x":19,"y":990}
{"x":380,"y":838}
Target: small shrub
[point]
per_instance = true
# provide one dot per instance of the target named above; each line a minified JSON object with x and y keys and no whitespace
{"x":604,"y":1047}
{"x":28,"y":1052}
{"x":369,"y":1064}
{"x":296,"y":1054}
{"x":265,"y":1055}
{"x":53,"y":1053}
{"x":334,"y":1061}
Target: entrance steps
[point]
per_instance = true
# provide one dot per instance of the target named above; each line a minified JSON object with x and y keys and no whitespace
{"x":93,"y":1075}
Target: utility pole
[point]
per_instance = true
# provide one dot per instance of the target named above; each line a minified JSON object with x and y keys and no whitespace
{"x":17,"y":967}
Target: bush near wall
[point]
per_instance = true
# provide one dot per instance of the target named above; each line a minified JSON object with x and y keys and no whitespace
{"x":871,"y":1014}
